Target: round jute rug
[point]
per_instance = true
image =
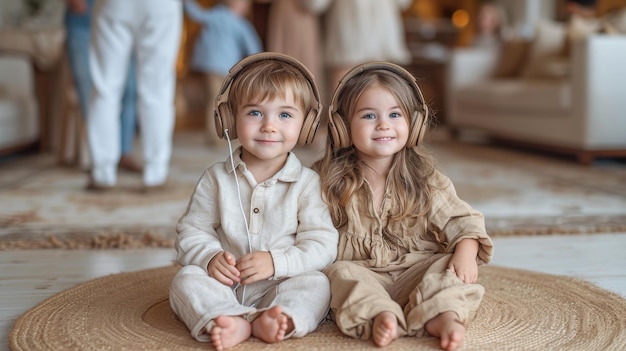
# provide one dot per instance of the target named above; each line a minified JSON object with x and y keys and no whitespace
{"x":521,"y":310}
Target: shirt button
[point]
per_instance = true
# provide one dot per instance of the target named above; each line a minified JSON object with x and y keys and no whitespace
{"x":256,"y":210}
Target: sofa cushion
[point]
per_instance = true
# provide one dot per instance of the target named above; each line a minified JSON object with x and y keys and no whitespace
{"x":579,"y":28}
{"x":615,"y":22}
{"x":512,"y":58}
{"x":551,"y":47}
{"x":517,"y":95}
{"x":17,"y":126}
{"x":548,"y":46}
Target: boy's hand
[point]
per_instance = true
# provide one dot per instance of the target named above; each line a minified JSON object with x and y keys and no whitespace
{"x":463,"y":261}
{"x":222,"y":267}
{"x":255,"y":267}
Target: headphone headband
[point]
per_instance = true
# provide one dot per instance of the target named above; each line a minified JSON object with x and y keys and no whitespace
{"x":224,"y":117}
{"x":338,"y":130}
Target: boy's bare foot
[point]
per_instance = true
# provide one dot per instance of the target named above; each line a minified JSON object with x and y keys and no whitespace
{"x":229,"y":331}
{"x":272,"y":325}
{"x":448,"y":328}
{"x":385,"y":329}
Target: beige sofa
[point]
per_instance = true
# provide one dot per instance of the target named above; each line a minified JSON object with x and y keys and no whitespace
{"x":19,"y":122}
{"x":581,"y":110}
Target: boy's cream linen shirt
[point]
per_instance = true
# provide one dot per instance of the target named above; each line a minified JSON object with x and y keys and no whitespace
{"x":286,"y":216}
{"x":370,"y":238}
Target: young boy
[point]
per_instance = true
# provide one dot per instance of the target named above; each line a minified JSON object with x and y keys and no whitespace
{"x":256,"y":233}
{"x":226,"y":37}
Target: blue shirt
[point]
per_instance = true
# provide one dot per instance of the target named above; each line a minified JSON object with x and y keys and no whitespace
{"x":224,"y":40}
{"x":79,"y":20}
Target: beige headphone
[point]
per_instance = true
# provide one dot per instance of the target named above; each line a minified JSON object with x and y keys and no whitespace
{"x":225,"y":118}
{"x":337,"y":129}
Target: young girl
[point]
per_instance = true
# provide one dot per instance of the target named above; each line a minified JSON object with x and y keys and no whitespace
{"x":256,"y":233}
{"x":409,"y":248}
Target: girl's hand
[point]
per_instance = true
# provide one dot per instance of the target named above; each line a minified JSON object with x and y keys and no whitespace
{"x":255,"y":267}
{"x":222,"y":267}
{"x":463,"y":261}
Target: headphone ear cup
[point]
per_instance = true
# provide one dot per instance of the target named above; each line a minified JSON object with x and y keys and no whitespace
{"x":309,"y":127}
{"x":418,"y":129}
{"x":420,"y":125}
{"x":224,"y":119}
{"x":338,"y":132}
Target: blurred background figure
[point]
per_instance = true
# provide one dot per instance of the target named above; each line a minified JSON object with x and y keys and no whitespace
{"x":150,"y":30}
{"x":226,"y":37}
{"x":582,"y":8}
{"x":294,"y":29}
{"x":490,"y":24}
{"x":78,"y":31}
{"x":363,"y":30}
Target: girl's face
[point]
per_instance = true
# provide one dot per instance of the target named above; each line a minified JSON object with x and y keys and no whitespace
{"x":269,"y":129}
{"x":378,"y":126}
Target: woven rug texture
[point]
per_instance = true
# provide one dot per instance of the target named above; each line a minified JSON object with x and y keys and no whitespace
{"x":521,"y":310}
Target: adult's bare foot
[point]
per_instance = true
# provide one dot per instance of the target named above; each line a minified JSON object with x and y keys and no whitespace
{"x":272,"y":325}
{"x":229,"y":331}
{"x":448,"y":328}
{"x":129,"y":163}
{"x":384,"y":329}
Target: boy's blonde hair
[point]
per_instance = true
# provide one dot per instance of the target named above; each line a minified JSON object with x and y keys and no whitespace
{"x":269,"y":79}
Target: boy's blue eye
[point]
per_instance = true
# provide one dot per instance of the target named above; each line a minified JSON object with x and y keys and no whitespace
{"x":369,"y":116}
{"x":254,"y":113}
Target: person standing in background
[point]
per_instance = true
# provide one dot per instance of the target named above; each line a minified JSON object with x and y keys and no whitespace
{"x":293,"y":28}
{"x":150,"y":30}
{"x":78,"y":29}
{"x":227,"y":36}
{"x":491,"y":25}
{"x":359,"y":31}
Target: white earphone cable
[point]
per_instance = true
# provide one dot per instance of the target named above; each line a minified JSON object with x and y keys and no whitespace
{"x":243,"y":214}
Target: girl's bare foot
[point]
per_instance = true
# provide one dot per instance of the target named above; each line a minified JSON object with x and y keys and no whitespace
{"x":229,"y":331}
{"x":272,"y":325}
{"x":385,"y":329}
{"x":448,"y":328}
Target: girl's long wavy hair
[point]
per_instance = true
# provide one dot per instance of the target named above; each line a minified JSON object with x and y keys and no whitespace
{"x":341,"y":169}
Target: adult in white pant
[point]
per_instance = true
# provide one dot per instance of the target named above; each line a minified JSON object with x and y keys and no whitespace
{"x":151,"y":29}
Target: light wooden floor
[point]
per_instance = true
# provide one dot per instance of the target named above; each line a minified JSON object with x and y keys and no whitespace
{"x":29,"y":277}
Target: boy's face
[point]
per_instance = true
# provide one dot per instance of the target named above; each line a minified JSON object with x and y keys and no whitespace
{"x":269,"y":129}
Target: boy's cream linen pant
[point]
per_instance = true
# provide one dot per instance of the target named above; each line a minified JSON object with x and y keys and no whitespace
{"x":415,"y":295}
{"x":197,"y":299}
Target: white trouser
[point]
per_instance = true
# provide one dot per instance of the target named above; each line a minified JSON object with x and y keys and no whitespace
{"x":152,"y":29}
{"x":197,"y":299}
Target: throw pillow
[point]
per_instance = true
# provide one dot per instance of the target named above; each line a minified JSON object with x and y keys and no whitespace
{"x":513,"y":57}
{"x":580,"y":28}
{"x":615,"y":22}
{"x":548,"y":46}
